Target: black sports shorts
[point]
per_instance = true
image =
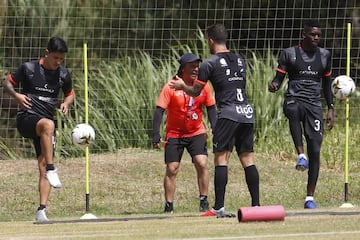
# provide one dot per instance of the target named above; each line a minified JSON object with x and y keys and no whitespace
{"x":229,"y":133}
{"x":26,"y":125}
{"x":310,"y":116}
{"x":174,"y":147}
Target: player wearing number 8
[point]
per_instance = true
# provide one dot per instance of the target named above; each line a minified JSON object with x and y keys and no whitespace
{"x":309,"y":70}
{"x":235,"y":124}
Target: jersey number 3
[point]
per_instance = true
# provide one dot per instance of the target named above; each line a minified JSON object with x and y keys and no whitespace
{"x":317,"y":126}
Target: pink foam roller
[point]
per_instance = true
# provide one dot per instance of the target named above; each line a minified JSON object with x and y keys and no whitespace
{"x":263,"y":213}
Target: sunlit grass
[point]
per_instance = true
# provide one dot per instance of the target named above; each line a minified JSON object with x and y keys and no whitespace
{"x":130,"y":181}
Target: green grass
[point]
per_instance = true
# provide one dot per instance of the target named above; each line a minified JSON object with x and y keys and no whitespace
{"x":126,"y":176}
{"x":128,"y":184}
{"x":314,"y":227}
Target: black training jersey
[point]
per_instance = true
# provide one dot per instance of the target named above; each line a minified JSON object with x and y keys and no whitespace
{"x":42,"y":86}
{"x":227,"y":74}
{"x":305,"y":71}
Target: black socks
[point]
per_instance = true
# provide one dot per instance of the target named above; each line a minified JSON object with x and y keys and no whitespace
{"x":252,"y":181}
{"x":50,"y":167}
{"x":220,"y":182}
{"x":41,"y":207}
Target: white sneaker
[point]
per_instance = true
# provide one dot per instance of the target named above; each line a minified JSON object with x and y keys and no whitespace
{"x":53,"y":178}
{"x":41,"y":215}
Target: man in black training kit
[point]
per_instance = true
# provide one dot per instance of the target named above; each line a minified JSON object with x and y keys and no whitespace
{"x":41,"y":82}
{"x":309,"y":70}
{"x":235,"y":123}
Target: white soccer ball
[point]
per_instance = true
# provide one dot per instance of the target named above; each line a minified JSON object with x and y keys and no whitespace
{"x":83,"y":135}
{"x":342,"y":86}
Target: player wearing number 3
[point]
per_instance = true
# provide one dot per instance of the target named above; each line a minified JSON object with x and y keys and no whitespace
{"x":235,"y":123}
{"x":309,"y":69}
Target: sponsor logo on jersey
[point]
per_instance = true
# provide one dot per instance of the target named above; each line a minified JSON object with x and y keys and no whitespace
{"x":247,"y":110}
{"x":45,"y":99}
{"x":235,"y":77}
{"x":308,"y":71}
{"x":44,"y":89}
{"x":223,"y":62}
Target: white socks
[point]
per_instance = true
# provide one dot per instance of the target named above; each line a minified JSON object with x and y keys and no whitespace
{"x":309,"y":198}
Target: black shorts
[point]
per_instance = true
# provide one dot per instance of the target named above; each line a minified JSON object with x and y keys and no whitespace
{"x":310,"y":116}
{"x":229,"y":133}
{"x":174,"y":147}
{"x":26,"y":125}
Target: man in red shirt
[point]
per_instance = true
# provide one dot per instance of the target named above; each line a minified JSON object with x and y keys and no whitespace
{"x":184,"y":129}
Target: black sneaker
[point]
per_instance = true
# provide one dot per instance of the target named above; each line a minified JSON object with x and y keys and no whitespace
{"x":168,"y":207}
{"x":204,"y":205}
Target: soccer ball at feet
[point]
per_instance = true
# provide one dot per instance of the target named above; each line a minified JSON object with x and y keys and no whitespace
{"x":342,"y":86}
{"x":83,"y":135}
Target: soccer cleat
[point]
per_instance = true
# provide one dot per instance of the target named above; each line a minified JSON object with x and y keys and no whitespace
{"x":53,"y":178}
{"x":204,"y":205}
{"x":41,"y":215}
{"x":212,"y":212}
{"x":302,"y":164}
{"x":168,"y":207}
{"x":310,"y":205}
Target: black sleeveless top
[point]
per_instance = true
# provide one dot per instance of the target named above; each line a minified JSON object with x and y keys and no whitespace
{"x":305,"y":78}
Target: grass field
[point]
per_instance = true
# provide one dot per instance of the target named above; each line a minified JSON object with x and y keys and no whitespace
{"x":126,"y":195}
{"x":191,"y":227}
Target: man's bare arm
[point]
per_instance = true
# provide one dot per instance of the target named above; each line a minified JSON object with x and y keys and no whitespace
{"x":193,"y":90}
{"x":23,"y":100}
{"x":8,"y":87}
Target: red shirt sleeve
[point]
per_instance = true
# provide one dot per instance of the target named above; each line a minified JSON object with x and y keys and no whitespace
{"x":164,"y":97}
{"x":210,"y":100}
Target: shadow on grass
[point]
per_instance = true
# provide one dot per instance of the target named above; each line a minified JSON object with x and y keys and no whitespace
{"x":288,"y":214}
{"x":291,"y":214}
{"x":104,"y":220}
